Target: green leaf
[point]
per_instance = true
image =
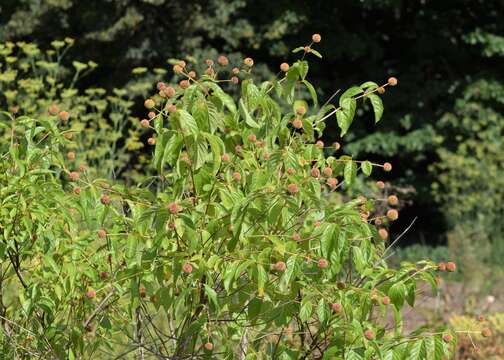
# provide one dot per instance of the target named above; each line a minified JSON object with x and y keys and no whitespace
{"x":417,"y":350}
{"x":366,"y":167}
{"x":377,"y":104}
{"x":306,"y":309}
{"x":322,"y":310}
{"x":298,"y":49}
{"x":246,"y":115}
{"x":350,"y":172}
{"x":187,"y":122}
{"x":217,"y":147}
{"x":346,"y":114}
{"x":397,"y":293}
{"x":316,"y":53}
{"x":312,"y":91}
{"x":212,"y":296}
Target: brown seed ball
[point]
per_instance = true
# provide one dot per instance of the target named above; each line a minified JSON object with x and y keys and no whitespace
{"x":149,"y":103}
{"x":451,"y":266}
{"x":64,"y":115}
{"x":142,"y":292}
{"x":301,"y":110}
{"x":385,"y":300}
{"x":225,"y":158}
{"x":380,"y":185}
{"x":249,"y":62}
{"x":378,"y":222}
{"x":284,"y":67}
{"x":77,"y":190}
{"x":151,"y":141}
{"x":235,"y":80}
{"x":387,"y":166}
{"x":177,"y":69}
{"x":327,"y":171}
{"x":192,"y":74}
{"x":187,"y":268}
{"x":297,"y":123}
{"x":447,"y":338}
{"x":481,"y":318}
{"x":252,"y":138}
{"x":340,"y":285}
{"x":393,"y":200}
{"x":169,"y":91}
{"x":74,"y":176}
{"x":319,"y":144}
{"x":332,"y":182}
{"x":71,"y":155}
{"x":486,"y":332}
{"x":296,"y":237}
{"x":145,"y":123}
{"x":105,"y":199}
{"x":261,"y":144}
{"x":235,"y":71}
{"x":292,"y":188}
{"x":82,"y":168}
{"x":90,"y":294}
{"x":53,"y":109}
{"x":238,"y":149}
{"x":336,"y":307}
{"x":291,"y":171}
{"x":160,"y":85}
{"x":173,"y":208}
{"x":392,"y":214}
{"x":392,"y":81}
{"x":222,"y":60}
{"x":102,"y":233}
{"x":336,"y":146}
{"x":280,"y":266}
{"x":236,"y":176}
{"x":383,"y":234}
{"x":209,"y":346}
{"x":151,"y":115}
{"x":380,"y":90}
{"x":369,"y":334}
{"x":314,"y":172}
{"x":317,"y":223}
{"x":316,"y":38}
{"x":307,"y":49}
{"x":209,"y":62}
{"x":323,"y":263}
{"x":184,"y":84}
{"x":104,"y":275}
{"x":172,"y":108}
{"x":266,"y":155}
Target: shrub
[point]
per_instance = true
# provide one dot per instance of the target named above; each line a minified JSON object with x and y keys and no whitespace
{"x":252,"y":265}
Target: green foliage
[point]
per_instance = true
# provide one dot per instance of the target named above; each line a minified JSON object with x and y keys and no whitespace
{"x":236,"y":248}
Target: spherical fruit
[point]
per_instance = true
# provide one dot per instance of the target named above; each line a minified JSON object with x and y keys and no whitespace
{"x":261,"y":144}
{"x":151,"y":141}
{"x":332,"y":182}
{"x":292,"y":188}
{"x":307,"y":49}
{"x":319,"y":144}
{"x":154,"y":299}
{"x":387,"y":166}
{"x":74,"y":176}
{"x":380,"y":185}
{"x":235,"y":80}
{"x":383,"y":234}
{"x":392,"y":81}
{"x":280,"y":266}
{"x":225,"y":158}
{"x":192,"y":74}
{"x":369,"y":334}
{"x":314,"y":172}
{"x":91,"y":294}
{"x":336,"y":307}
{"x":151,"y":115}
{"x":82,"y":168}
{"x":77,"y":190}
{"x":235,"y":71}
{"x":442,"y":266}
{"x":266,"y":155}
{"x":336,"y":146}
{"x":393,"y":200}
{"x":252,"y":138}
{"x":104,"y":275}
{"x":481,"y":318}
{"x":184,"y":84}
{"x":177,"y":69}
{"x":145,"y":123}
{"x":149,"y":103}
{"x":392,"y":214}
{"x":248,"y":61}
{"x":71,"y":155}
{"x":323,"y":263}
{"x":160,"y":85}
{"x":64,"y":115}
{"x":327,"y":171}
{"x":486,"y":332}
{"x":142,"y":292}
{"x":236,"y":176}
{"x":301,"y":110}
{"x":173,"y":208}
{"x":102,"y":233}
{"x":209,"y":346}
{"x":291,"y":171}
{"x":317,"y":223}
{"x":53,"y":109}
{"x":447,"y":338}
{"x":284,"y":67}
{"x":316,"y":38}
{"x":172,"y":108}
{"x":105,"y":199}
{"x":296,"y":237}
{"x":209,"y":71}
{"x":209,"y":62}
{"x":169,"y":91}
{"x":222,"y":60}
{"x":451,"y":266}
{"x":238,"y":149}
{"x":340,"y":285}
{"x":378,"y":222}
{"x":297,"y":123}
{"x":187,"y":268}
{"x":385,"y":300}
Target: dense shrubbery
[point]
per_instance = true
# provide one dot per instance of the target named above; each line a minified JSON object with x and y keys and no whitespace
{"x":235,"y":244}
